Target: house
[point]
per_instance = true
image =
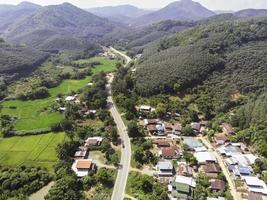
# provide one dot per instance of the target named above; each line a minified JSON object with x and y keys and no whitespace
{"x":145,"y":108}
{"x":80,"y":154}
{"x":254,"y":196}
{"x":196,"y":127}
{"x":228,"y":150}
{"x":177,"y":129}
{"x":211,"y":169}
{"x":184,"y":170}
{"x":204,"y":157}
{"x":228,"y":129}
{"x":192,"y":143}
{"x":162,"y":143}
{"x":170,"y":152}
{"x":217,"y":185}
{"x":220,"y":138}
{"x":213,"y":198}
{"x":82,"y":167}
{"x":255,"y":185}
{"x":150,"y":122}
{"x":70,"y":98}
{"x":200,"y":149}
{"x":241,"y":171}
{"x":93,"y":141}
{"x":164,"y":168}
{"x":182,"y":187}
{"x":168,"y":127}
{"x":152,"y":129}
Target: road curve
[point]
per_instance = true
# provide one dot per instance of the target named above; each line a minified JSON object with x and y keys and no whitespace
{"x":121,"y":180}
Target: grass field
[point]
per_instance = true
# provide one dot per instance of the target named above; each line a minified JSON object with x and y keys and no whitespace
{"x":37,"y":150}
{"x":35,"y":114}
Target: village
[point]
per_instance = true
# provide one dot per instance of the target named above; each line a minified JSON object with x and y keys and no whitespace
{"x":227,"y":165}
{"x":181,"y":159}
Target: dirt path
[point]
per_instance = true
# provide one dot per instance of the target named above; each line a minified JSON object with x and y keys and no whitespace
{"x":230,"y":181}
{"x":129,"y":197}
{"x":39,"y":195}
{"x":144,"y":171}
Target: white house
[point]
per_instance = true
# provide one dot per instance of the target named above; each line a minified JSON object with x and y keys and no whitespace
{"x":82,"y":167}
{"x":203,"y":157}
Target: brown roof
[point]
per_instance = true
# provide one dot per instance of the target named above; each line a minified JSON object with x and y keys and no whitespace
{"x":152,"y":121}
{"x":254,"y":196}
{"x":162,"y":143}
{"x":170,"y":151}
{"x":92,"y":141}
{"x":151,"y":128}
{"x":221,"y":136}
{"x":168,"y":125}
{"x":211,"y":167}
{"x":218,"y":185}
{"x":228,"y":128}
{"x":84,"y":164}
{"x":184,"y":170}
{"x":177,"y":127}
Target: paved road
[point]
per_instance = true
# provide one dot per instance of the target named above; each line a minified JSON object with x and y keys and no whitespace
{"x":126,"y":58}
{"x":230,"y":181}
{"x":121,"y":180}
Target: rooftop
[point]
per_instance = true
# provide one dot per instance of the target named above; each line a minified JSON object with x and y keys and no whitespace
{"x":185,"y":180}
{"x":203,"y":157}
{"x":218,"y":185}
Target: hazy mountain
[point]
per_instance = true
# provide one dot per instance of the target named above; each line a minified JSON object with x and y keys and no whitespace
{"x":180,"y":10}
{"x":60,"y":21}
{"x":251,"y":13}
{"x":122,"y":13}
{"x":10,"y":13}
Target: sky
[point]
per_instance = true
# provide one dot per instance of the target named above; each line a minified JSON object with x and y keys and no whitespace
{"x":210,"y":4}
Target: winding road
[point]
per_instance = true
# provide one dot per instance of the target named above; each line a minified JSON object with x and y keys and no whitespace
{"x":121,"y":180}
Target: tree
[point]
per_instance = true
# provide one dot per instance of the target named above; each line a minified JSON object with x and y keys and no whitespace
{"x":114,"y":135}
{"x":161,"y":110}
{"x":133,"y":129}
{"x":104,"y":176}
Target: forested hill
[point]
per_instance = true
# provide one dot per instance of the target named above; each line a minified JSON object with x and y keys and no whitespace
{"x":187,"y":59}
{"x":19,"y":60}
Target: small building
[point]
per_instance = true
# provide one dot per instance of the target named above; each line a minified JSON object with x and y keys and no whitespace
{"x":177,"y":129}
{"x":218,"y":185}
{"x":82,"y":167}
{"x":184,"y":170}
{"x":200,"y":149}
{"x":164,"y":168}
{"x":204,"y":157}
{"x":182,"y":187}
{"x":196,"y":127}
{"x":255,"y":196}
{"x":192,"y":143}
{"x":70,"y":98}
{"x":168,"y":127}
{"x":241,"y":171}
{"x":220,"y":138}
{"x":170,"y":152}
{"x":228,"y":129}
{"x":150,"y":122}
{"x":212,"y":169}
{"x":255,"y":185}
{"x":162,"y":143}
{"x":80,"y":154}
{"x":93,"y":141}
{"x":145,"y":108}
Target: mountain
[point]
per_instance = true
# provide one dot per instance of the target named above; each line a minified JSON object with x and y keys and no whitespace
{"x":180,"y":10}
{"x":49,"y":23}
{"x":251,"y":13}
{"x":19,"y":60}
{"x":122,"y":13}
{"x":10,"y":13}
{"x":135,"y":39}
{"x":235,"y":49}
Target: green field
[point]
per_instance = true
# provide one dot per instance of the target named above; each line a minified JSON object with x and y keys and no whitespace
{"x":37,"y":150}
{"x":35,"y":114}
